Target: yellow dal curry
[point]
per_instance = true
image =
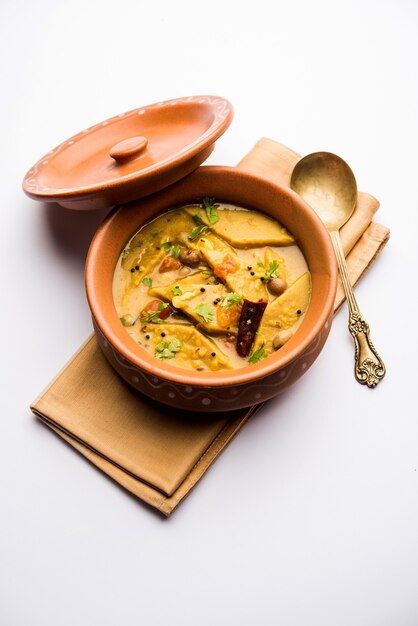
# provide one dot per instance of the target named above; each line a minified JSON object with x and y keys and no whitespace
{"x":211,"y":286}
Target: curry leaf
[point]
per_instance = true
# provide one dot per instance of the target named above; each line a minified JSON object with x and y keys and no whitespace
{"x":167,"y":246}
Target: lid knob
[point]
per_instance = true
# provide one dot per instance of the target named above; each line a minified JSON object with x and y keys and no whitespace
{"x":128,"y":148}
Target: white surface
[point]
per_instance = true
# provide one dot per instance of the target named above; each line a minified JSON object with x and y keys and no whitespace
{"x":310,"y":517}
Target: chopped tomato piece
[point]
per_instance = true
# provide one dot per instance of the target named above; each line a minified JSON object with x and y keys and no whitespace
{"x":229,"y":265}
{"x":228,"y":315}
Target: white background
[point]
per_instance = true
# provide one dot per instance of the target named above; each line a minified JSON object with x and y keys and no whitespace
{"x":310,"y":517}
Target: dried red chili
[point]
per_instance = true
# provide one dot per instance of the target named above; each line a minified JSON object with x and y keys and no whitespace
{"x":249,"y":321}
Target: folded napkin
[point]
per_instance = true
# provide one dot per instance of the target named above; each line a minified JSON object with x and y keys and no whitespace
{"x":155,"y":452}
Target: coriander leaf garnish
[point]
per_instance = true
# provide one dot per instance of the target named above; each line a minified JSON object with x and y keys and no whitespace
{"x":196,"y":232}
{"x":127,"y":320}
{"x":176,"y":291}
{"x":126,"y":253}
{"x":167,"y":246}
{"x":260,"y":264}
{"x":174,"y":345}
{"x":199,"y":220}
{"x":167,"y":351}
{"x":272,"y":272}
{"x":232,"y":299}
{"x":257,"y":355}
{"x":154,"y":316}
{"x":206,"y":312}
{"x":175,"y":251}
{"x":211,"y":209}
{"x":147,"y":281}
{"x":200,"y":228}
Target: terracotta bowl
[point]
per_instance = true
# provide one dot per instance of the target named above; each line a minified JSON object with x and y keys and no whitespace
{"x":232,"y":389}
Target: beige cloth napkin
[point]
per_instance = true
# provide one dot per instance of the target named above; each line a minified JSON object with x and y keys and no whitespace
{"x":155,"y":452}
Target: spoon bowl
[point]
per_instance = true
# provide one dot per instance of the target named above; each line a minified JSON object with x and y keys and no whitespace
{"x":328,"y":185}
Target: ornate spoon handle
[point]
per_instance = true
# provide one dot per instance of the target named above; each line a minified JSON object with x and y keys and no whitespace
{"x":369,"y":368}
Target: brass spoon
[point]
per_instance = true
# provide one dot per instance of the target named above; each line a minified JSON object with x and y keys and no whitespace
{"x":327,"y":183}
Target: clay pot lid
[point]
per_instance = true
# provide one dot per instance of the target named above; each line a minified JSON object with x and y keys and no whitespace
{"x":131,"y":155}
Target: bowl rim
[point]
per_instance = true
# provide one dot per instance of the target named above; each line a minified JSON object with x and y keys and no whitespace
{"x":143,"y":360}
